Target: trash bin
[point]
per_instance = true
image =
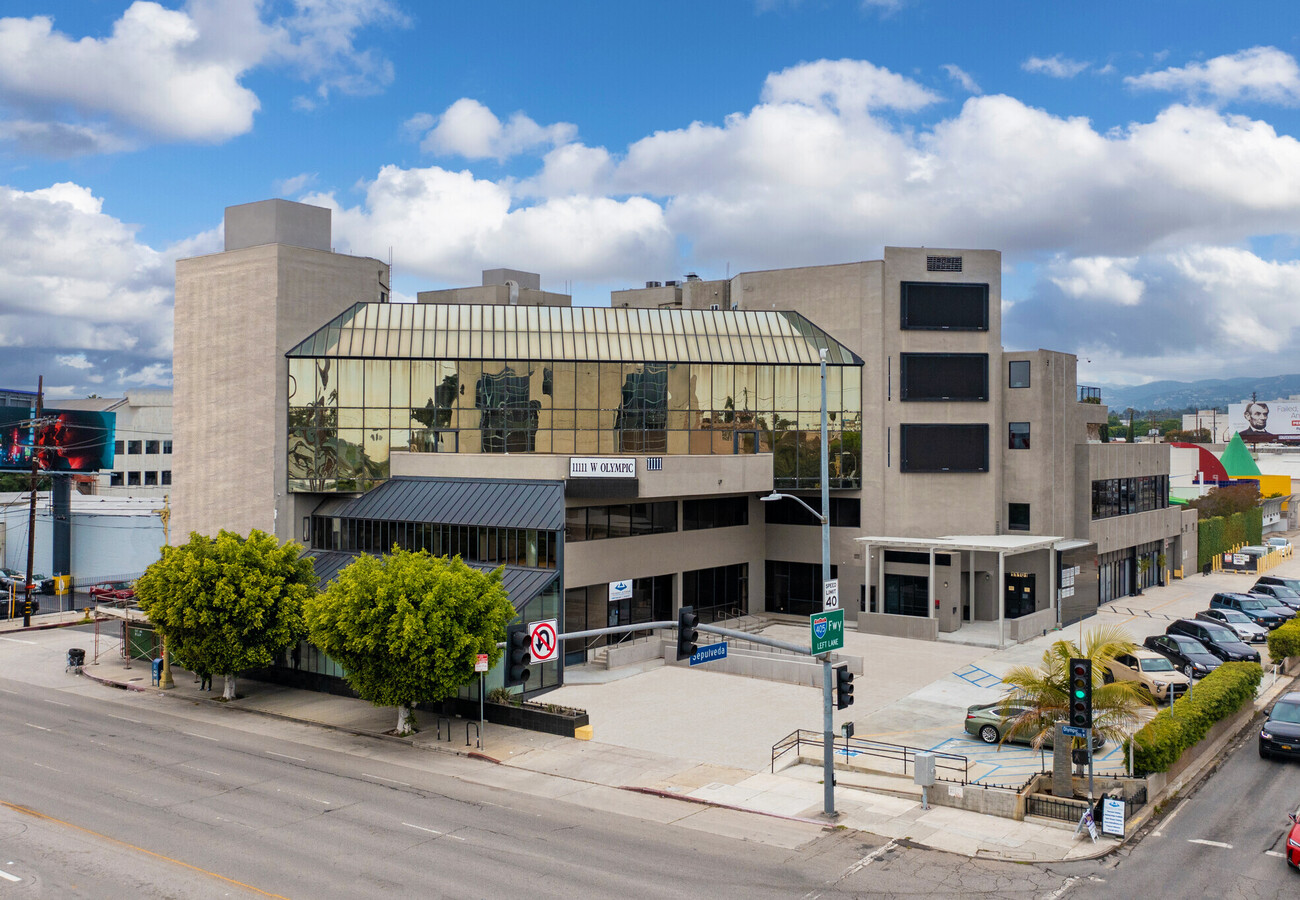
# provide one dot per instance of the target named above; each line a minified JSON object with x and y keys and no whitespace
{"x":76,"y":657}
{"x":157,"y":672}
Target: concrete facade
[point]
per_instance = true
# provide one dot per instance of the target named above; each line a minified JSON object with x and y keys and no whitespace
{"x":237,"y":314}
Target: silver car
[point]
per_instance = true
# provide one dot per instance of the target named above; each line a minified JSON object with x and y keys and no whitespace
{"x":1246,"y":630}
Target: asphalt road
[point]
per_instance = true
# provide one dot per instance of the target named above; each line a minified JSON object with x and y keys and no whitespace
{"x":105,"y":794}
{"x":1225,"y":840}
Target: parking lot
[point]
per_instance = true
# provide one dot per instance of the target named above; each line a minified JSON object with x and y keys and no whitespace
{"x":913,"y":693}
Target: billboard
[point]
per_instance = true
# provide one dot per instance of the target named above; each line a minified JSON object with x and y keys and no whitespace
{"x":65,"y":440}
{"x":1265,"y":420}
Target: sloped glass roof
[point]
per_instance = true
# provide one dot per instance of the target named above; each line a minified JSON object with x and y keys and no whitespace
{"x":576,"y":334}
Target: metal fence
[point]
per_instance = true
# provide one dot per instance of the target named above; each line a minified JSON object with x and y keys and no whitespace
{"x":890,"y":758}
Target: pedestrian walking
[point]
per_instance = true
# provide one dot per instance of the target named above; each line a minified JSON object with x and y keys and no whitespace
{"x":207,"y":681}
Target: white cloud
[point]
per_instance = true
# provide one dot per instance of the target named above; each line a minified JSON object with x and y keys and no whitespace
{"x":963,"y":78}
{"x":1057,"y":66}
{"x":468,"y":128}
{"x":174,"y":74}
{"x":1263,"y":74}
{"x":846,"y":86}
{"x":74,"y":361}
{"x":288,"y":187}
{"x":447,"y":226}
{"x":1104,"y":279}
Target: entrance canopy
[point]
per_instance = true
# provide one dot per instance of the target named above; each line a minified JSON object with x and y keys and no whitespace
{"x":1003,"y":545}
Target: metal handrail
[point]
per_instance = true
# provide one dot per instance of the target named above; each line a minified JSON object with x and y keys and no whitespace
{"x":950,"y":762}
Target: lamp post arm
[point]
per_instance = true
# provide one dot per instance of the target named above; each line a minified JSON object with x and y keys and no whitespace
{"x":775,"y":496}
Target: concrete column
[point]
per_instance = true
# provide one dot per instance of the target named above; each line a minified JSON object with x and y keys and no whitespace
{"x":929,"y":603}
{"x":1051,"y":584}
{"x":866,"y":577}
{"x":1000,"y":595}
{"x":971,"y":573}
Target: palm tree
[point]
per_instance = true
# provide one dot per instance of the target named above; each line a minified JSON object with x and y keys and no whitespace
{"x":1044,"y":693}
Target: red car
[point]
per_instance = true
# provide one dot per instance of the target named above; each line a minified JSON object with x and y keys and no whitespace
{"x":113,"y":590}
{"x":1293,"y":842}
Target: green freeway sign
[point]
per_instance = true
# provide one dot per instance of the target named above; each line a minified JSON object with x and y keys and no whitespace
{"x":826,"y":630}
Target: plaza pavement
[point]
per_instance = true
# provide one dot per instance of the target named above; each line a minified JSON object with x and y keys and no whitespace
{"x":693,"y":734}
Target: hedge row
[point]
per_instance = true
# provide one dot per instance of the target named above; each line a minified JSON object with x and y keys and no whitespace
{"x":1284,"y":641}
{"x":1159,"y":744}
{"x":1219,"y":535}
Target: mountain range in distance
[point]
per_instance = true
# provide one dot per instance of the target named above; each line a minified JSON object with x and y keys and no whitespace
{"x":1207,"y":394}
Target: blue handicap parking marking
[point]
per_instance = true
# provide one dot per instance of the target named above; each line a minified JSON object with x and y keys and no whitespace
{"x":978,"y":677}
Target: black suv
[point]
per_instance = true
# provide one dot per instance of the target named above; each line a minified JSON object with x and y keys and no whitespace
{"x":1220,"y":640}
{"x":1187,"y":653}
{"x":17,"y":606}
{"x":1259,"y":611}
{"x":1280,"y":735}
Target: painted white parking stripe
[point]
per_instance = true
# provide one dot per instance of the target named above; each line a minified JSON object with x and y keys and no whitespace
{"x":1209,"y":843}
{"x":431,"y":831}
{"x":41,"y":727}
{"x":285,"y":756}
{"x":381,"y":778}
{"x":6,"y":875}
{"x":1278,"y":853}
{"x":57,"y":703}
{"x":204,"y":736}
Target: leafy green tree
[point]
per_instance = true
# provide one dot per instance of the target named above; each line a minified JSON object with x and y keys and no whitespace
{"x":228,"y":604}
{"x":1044,"y":693}
{"x":1227,"y":500}
{"x":407,"y":627}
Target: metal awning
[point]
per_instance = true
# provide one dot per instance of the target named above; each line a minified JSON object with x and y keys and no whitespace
{"x":502,"y":503}
{"x":979,"y":543}
{"x":521,"y":583}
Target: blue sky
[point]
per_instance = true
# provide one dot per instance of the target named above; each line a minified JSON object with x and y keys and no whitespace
{"x":1136,"y":163}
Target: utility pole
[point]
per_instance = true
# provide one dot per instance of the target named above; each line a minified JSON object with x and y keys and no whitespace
{"x":165,"y":681}
{"x":31,"y":512}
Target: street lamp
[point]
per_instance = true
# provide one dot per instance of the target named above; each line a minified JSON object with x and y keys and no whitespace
{"x":828,"y":724}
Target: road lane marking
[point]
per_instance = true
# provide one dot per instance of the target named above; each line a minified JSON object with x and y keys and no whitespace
{"x":285,"y":756}
{"x":431,"y":831}
{"x":1219,"y":844}
{"x":197,"y":769}
{"x":41,"y":727}
{"x":303,"y":796}
{"x":193,"y":868}
{"x":1065,"y":886}
{"x":124,"y":719}
{"x":855,"y":868}
{"x":51,"y":768}
{"x":1164,"y":823}
{"x":15,"y":693}
{"x":1278,"y":853}
{"x":204,"y":736}
{"x":56,"y":702}
{"x":4,"y":874}
{"x":382,"y":778}
{"x":16,"y":641}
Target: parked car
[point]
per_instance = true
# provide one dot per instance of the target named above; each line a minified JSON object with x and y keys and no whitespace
{"x":1293,"y":842}
{"x":1219,"y":639}
{"x":1277,"y":543}
{"x":1292,"y":583}
{"x":16,"y":605}
{"x":1151,"y":670}
{"x":1255,"y":550}
{"x":17,"y":581}
{"x":1280,"y":734}
{"x":1246,"y":629}
{"x":1260,"y":612}
{"x":1187,"y":653}
{"x":1278,"y":606}
{"x":986,"y":722}
{"x":112,"y":590}
{"x":1280,"y":592}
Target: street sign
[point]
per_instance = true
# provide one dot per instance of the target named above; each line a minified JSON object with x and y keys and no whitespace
{"x":1073,"y":731}
{"x":831,"y":594}
{"x":709,"y":653}
{"x":543,"y":643}
{"x":620,"y":590}
{"x":826,"y":630}
{"x":481,"y":664}
{"x":1112,"y":817}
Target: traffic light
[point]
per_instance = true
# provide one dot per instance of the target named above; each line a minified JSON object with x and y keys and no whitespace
{"x":843,"y":687}
{"x":1081,"y":693}
{"x":518,"y":657}
{"x":687,"y":621}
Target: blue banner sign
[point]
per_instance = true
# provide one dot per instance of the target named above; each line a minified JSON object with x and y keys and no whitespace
{"x":708,"y":653}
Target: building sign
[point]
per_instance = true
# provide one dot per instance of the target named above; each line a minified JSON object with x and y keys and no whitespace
{"x":1265,"y":420}
{"x":1112,"y":817}
{"x":601,"y":467}
{"x":64,"y":440}
{"x":620,"y":590}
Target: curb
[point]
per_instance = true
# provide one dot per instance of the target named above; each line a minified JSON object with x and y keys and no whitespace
{"x":46,"y":626}
{"x":671,"y":795}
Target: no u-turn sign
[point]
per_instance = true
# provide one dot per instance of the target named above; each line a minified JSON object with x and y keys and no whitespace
{"x":543,"y":641}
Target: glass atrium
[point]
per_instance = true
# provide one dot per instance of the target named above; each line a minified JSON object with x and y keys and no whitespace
{"x":433,"y":378}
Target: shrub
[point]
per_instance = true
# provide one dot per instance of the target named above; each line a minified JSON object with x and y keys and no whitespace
{"x":1284,"y":641}
{"x":1160,"y":743}
{"x":1209,"y":540}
